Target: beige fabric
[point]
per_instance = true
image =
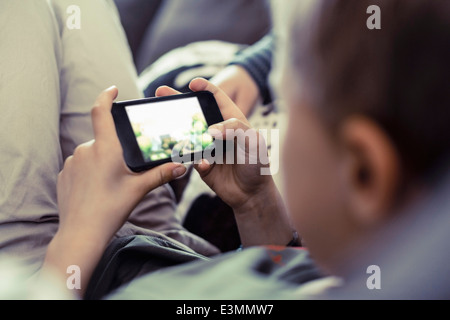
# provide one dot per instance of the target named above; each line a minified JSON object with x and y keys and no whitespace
{"x":49,"y":78}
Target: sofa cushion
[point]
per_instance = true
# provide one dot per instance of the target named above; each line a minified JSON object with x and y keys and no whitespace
{"x":179,"y":23}
{"x":136,"y":15}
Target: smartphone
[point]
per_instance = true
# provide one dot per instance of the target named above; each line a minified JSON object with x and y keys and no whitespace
{"x":155,"y":131}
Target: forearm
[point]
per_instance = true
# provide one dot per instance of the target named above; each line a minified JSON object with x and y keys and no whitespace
{"x":257,"y":61}
{"x":263,"y":220}
{"x":73,"y":250}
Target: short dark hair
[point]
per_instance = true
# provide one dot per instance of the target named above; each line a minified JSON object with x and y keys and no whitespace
{"x":397,"y":76}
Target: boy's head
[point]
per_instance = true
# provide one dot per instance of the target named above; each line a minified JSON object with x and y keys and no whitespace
{"x":369,"y":129}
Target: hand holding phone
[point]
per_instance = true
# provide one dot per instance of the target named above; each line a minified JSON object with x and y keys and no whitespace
{"x":97,"y":193}
{"x":256,"y":202}
{"x":235,"y":183}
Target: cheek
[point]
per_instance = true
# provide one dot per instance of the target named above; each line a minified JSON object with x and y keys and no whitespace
{"x":311,"y":178}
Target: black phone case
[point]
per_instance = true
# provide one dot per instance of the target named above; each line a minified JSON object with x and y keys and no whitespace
{"x":131,"y":151}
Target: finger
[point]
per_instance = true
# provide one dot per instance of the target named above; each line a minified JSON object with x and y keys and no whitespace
{"x":106,"y":98}
{"x":81,"y":150}
{"x":62,"y":176}
{"x":166,"y":91}
{"x":67,"y":163}
{"x":102,"y":120}
{"x":227,"y":107}
{"x":87,"y":144}
{"x":161,"y":175}
{"x":227,"y":130}
{"x":203,"y":167}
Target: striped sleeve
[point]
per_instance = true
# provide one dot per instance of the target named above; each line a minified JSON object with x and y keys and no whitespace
{"x":257,"y":60}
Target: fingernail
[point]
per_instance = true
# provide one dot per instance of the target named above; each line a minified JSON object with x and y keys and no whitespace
{"x":179,"y":171}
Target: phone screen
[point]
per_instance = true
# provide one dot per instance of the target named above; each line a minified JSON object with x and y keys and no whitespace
{"x":166,"y":128}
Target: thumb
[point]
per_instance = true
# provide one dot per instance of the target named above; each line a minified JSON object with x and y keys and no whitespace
{"x":203,"y":168}
{"x":161,"y":175}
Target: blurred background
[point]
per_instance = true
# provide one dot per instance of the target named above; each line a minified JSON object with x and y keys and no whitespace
{"x":155,"y":27}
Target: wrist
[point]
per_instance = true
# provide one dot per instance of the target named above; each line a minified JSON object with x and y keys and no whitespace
{"x":265,"y":198}
{"x":68,"y":249}
{"x":263,"y":220}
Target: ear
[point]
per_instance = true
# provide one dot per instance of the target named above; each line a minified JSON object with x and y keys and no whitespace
{"x":371,"y":170}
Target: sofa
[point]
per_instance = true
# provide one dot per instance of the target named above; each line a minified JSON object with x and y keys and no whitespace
{"x":155,"y":27}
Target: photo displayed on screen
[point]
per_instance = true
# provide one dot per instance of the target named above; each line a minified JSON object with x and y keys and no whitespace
{"x":167,"y":128}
